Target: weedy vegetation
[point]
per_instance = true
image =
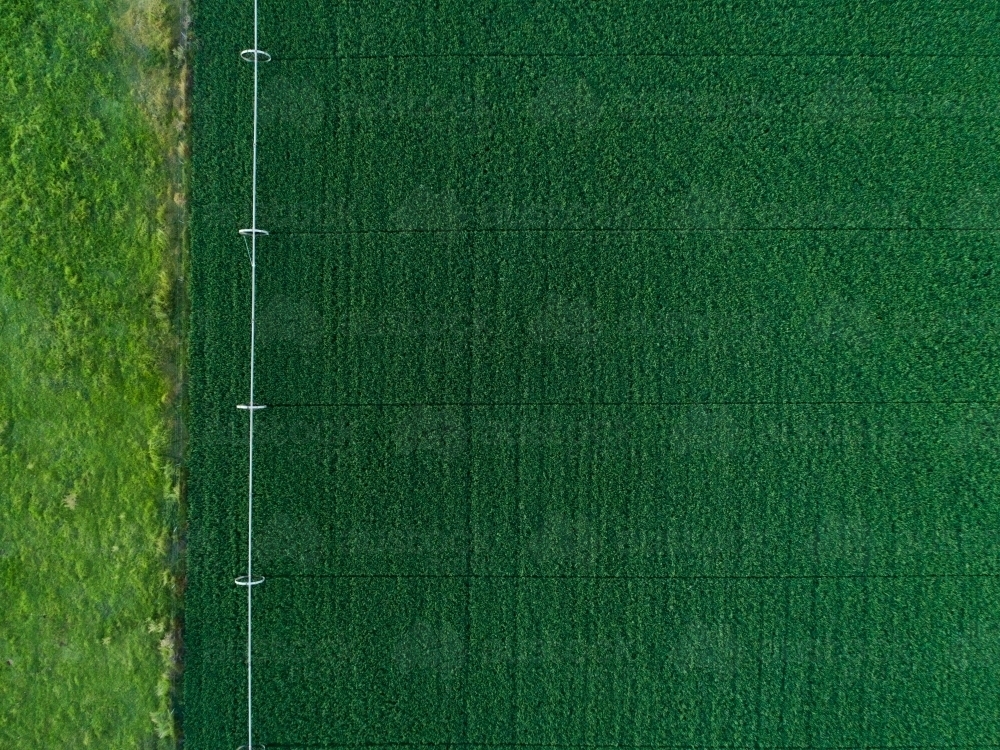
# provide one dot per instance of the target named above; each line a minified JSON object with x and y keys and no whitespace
{"x":92,"y":177}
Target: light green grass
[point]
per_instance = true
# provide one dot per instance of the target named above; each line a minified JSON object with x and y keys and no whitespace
{"x":88,"y":493}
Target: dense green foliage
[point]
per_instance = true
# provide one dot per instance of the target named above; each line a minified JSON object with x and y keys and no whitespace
{"x":630,"y":370}
{"x":87,"y":498}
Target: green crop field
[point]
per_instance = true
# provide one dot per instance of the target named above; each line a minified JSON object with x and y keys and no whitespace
{"x":631,"y":372}
{"x":90,"y":329}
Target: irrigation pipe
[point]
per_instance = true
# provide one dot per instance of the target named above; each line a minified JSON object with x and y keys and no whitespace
{"x":256,"y":56}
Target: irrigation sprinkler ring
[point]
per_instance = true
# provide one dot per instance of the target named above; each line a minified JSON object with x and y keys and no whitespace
{"x":255,"y":54}
{"x":244,"y":581}
{"x":250,"y":232}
